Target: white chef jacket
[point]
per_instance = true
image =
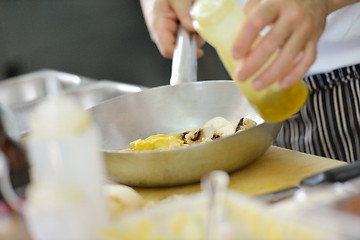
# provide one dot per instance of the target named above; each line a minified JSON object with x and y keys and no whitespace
{"x":339,"y":46}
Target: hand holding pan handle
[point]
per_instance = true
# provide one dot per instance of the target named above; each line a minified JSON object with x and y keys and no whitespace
{"x":184,"y":63}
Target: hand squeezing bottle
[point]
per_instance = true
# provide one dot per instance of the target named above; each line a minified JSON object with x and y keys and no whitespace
{"x":219,"y":22}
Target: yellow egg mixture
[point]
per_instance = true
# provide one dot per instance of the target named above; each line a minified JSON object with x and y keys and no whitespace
{"x":213,"y":129}
{"x":156,"y":142}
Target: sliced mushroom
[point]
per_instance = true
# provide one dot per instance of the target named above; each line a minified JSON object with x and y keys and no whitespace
{"x":199,"y":135}
{"x":245,"y":123}
{"x":181,"y":136}
{"x":215,"y":136}
{"x":221,"y":126}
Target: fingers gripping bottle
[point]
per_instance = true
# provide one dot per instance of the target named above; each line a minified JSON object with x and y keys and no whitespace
{"x":219,"y":22}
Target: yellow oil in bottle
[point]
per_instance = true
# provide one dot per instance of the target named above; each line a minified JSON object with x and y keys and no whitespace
{"x":219,"y":22}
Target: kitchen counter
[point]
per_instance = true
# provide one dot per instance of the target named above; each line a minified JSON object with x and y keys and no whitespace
{"x":278,"y":168}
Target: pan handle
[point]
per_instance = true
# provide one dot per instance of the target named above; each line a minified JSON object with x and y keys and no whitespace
{"x":184,"y":63}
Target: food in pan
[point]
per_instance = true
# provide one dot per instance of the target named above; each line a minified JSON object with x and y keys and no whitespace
{"x":156,"y":142}
{"x":213,"y":129}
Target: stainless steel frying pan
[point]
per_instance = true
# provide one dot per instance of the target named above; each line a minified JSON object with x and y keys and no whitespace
{"x":175,"y":108}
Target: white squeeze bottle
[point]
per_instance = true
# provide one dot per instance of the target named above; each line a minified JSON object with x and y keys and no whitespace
{"x":219,"y":22}
{"x":65,"y":200}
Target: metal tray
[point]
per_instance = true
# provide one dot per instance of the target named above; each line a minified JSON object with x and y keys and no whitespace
{"x":93,"y":94}
{"x":24,"y":93}
{"x":37,"y":85}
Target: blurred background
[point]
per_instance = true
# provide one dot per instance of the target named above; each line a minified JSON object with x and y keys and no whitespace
{"x":105,"y":39}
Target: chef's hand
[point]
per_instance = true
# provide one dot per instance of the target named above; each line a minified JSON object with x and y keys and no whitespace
{"x":296,"y":28}
{"x":162,"y":18}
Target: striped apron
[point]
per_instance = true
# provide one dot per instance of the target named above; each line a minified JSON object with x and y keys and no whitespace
{"x":328,"y":124}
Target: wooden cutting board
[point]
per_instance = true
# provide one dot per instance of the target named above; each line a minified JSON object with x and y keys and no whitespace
{"x":278,"y":168}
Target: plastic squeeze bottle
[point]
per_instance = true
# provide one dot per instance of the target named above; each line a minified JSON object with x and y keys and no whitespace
{"x":219,"y":22}
{"x":65,"y":200}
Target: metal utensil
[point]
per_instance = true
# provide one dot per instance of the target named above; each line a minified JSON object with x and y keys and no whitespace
{"x":338,"y":174}
{"x":184,"y":63}
{"x":175,"y":108}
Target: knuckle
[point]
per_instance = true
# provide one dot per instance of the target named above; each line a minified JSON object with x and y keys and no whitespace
{"x":290,"y":56}
{"x":270,"y":76}
{"x":302,"y":69}
{"x":298,"y":74}
{"x":167,"y":53}
{"x":270,"y":45}
{"x":295,"y":14}
{"x":256,"y":23}
{"x":311,"y":56}
{"x":277,"y":69}
{"x":295,"y":78}
{"x":307,"y":25}
{"x":252,"y":66}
